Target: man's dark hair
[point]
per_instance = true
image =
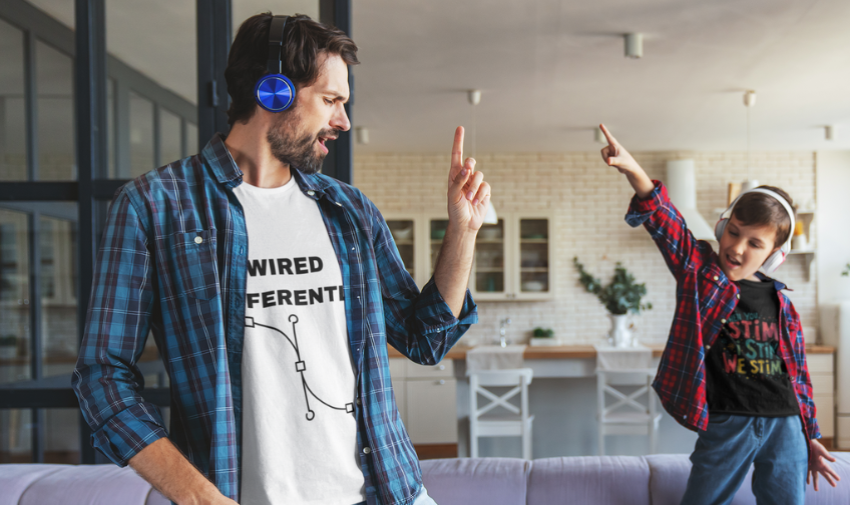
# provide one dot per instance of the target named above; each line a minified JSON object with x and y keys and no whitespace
{"x":304,"y":40}
{"x":760,"y":209}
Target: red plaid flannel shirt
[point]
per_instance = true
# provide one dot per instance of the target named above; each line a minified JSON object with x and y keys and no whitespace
{"x":705,"y":298}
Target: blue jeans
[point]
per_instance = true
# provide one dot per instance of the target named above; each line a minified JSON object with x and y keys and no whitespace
{"x":421,"y":499}
{"x":724,"y":452}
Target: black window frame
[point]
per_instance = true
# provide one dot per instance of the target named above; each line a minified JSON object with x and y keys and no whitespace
{"x":93,"y":190}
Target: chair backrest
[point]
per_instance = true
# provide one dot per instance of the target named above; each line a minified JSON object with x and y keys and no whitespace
{"x":607,"y":383}
{"x":480,"y":380}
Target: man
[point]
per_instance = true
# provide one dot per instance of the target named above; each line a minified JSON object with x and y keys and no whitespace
{"x":272,"y":293}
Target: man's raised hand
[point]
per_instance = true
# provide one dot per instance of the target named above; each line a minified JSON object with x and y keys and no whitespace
{"x":616,"y":155}
{"x":468,"y":194}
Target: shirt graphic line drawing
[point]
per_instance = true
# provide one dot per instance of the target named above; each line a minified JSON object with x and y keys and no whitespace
{"x":300,"y":367}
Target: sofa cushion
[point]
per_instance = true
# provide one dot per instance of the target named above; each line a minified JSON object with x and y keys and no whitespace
{"x":669,"y":478}
{"x":471,"y":481}
{"x":90,"y":484}
{"x":16,"y":479}
{"x":590,"y":480}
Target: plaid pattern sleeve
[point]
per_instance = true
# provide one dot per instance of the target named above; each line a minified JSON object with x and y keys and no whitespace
{"x":106,"y":379}
{"x":666,"y":226}
{"x":419,"y":325}
{"x":798,"y":369}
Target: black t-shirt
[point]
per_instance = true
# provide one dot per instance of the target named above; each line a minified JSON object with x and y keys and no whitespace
{"x":745,"y":374}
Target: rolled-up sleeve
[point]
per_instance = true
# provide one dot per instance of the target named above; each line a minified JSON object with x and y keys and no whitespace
{"x":666,"y":226}
{"x":106,"y":379}
{"x":419,"y":325}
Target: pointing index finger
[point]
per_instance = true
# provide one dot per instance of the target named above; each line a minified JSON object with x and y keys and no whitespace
{"x":457,"y":152}
{"x":611,"y":139}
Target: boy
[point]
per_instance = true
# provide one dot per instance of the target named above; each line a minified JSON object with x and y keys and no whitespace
{"x":734,"y":368}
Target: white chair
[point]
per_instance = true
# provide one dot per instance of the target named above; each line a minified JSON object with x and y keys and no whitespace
{"x":627,"y":414}
{"x":516,"y":424}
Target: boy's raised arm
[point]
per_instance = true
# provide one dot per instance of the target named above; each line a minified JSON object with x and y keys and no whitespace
{"x":653,"y":209}
{"x":616,"y":156}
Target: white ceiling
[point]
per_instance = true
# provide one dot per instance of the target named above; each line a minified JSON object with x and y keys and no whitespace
{"x":551,"y":69}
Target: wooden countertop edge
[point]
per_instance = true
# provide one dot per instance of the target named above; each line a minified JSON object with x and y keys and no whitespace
{"x":578,"y":352}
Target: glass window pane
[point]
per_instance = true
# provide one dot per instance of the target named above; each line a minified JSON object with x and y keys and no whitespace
{"x":57,"y":239}
{"x":141,"y":135}
{"x":13,"y":132}
{"x":159,"y":73}
{"x":61,"y":436}
{"x":243,"y":9}
{"x":170,"y":145}
{"x":55,"y":105}
{"x":14,"y":297}
{"x":191,"y":139}
{"x":16,"y":436}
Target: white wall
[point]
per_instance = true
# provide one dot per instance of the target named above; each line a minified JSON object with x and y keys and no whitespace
{"x":833,"y":217}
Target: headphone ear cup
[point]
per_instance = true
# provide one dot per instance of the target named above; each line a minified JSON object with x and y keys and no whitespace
{"x":719,"y":227}
{"x":274,"y":93}
{"x":773,"y":262}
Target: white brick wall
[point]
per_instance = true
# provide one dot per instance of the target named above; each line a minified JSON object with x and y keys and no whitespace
{"x":589,"y":200}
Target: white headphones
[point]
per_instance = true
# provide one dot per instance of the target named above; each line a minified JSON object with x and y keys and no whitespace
{"x":778,"y":257}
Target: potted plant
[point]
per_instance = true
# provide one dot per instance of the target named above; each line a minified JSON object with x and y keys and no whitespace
{"x":622,"y":296}
{"x":543,"y":336}
{"x":8,"y":347}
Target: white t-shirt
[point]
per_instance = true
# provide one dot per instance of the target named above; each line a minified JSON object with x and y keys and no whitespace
{"x":299,"y":433}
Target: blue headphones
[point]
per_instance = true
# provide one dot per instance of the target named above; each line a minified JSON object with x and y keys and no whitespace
{"x":274,"y":91}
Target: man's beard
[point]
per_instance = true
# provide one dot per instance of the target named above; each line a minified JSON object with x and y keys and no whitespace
{"x":297,"y":151}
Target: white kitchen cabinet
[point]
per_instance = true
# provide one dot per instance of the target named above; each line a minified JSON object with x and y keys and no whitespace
{"x":427,"y":400}
{"x":513,"y":260}
{"x":822,"y":373}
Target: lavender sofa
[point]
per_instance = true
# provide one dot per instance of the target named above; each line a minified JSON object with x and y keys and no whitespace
{"x":588,"y":480}
{"x":612,"y":480}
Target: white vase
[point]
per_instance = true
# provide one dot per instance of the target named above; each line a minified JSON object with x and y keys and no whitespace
{"x":621,"y":335}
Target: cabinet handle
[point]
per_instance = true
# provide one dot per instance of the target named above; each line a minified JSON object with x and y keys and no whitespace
{"x":441,"y":382}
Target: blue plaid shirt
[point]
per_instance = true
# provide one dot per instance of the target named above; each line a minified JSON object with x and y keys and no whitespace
{"x":173,"y":260}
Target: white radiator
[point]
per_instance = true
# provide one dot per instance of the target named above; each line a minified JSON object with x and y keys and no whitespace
{"x":835,"y":331}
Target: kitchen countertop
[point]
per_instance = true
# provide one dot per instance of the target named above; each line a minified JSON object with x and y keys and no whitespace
{"x":578,"y":351}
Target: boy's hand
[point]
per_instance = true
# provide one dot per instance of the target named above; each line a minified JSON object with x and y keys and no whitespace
{"x":818,"y":464}
{"x":616,"y":155}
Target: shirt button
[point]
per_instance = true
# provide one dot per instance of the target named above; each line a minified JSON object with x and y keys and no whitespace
{"x":311,"y":192}
{"x":738,"y":295}
{"x":716,"y":278}
{"x":723,"y":321}
{"x":199,"y":240}
{"x":707,"y":347}
{"x":366,"y":450}
{"x":358,"y":402}
{"x":338,"y":204}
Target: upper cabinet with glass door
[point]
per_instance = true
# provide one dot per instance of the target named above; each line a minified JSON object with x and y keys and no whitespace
{"x":489,"y":274}
{"x":533,"y":279}
{"x":403,"y":233}
{"x":513,"y":259}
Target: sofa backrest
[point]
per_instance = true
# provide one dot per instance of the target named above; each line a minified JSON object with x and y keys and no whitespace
{"x":28,"y":484}
{"x":589,"y":480}
{"x":476,"y":481}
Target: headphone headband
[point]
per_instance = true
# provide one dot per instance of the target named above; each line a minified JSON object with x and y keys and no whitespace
{"x":276,"y":31}
{"x":728,"y":213}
